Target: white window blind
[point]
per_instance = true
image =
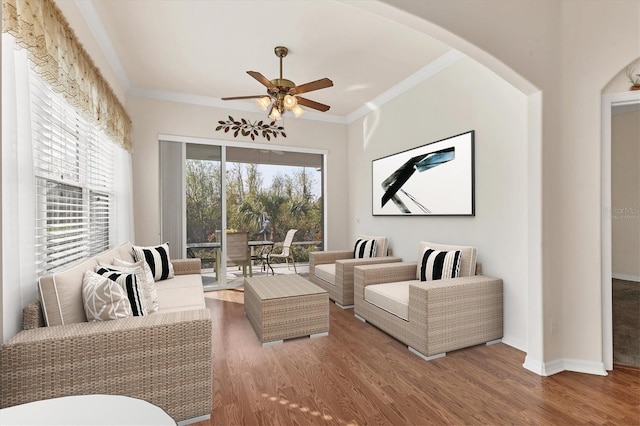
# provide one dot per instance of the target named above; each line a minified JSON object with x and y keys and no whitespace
{"x":73,"y":167}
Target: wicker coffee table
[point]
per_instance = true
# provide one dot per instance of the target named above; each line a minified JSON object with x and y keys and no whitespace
{"x":285,"y":306}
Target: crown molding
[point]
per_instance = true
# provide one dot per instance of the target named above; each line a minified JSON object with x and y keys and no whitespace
{"x":210,"y":101}
{"x":91,"y":17}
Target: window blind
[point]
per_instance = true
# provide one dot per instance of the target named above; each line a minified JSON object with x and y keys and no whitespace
{"x":73,"y":168}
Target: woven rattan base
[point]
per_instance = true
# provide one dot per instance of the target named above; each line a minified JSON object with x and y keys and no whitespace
{"x":285,"y":306}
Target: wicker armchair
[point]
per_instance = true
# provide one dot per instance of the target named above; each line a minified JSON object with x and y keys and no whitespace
{"x":441,"y":315}
{"x":333,"y":270}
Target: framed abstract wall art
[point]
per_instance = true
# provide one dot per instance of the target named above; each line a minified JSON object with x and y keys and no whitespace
{"x":436,"y":179}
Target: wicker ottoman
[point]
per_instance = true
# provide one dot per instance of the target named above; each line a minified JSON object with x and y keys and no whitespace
{"x":285,"y":306}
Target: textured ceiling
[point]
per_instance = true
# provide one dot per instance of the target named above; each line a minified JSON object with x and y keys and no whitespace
{"x":203,"y":48}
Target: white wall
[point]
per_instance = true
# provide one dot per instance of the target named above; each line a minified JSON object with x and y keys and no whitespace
{"x":153,"y":117}
{"x":465,"y":96}
{"x":625,"y":195}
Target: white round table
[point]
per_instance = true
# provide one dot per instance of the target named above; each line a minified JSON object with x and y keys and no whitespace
{"x":86,"y":410}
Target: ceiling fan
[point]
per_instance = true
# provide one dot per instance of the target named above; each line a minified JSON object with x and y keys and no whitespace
{"x":283,"y":94}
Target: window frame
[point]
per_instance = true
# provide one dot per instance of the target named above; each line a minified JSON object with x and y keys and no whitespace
{"x":73,"y":166}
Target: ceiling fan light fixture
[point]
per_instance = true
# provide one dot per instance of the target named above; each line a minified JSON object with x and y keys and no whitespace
{"x":263,"y":102}
{"x":297,"y":110}
{"x":274,"y":114}
{"x":282,"y":93}
{"x":290,"y":101}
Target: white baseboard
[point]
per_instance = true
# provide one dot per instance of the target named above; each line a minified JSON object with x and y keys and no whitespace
{"x":553,"y":367}
{"x":532,"y":365}
{"x":583,"y":366}
{"x":626,"y":277}
{"x":562,"y":364}
{"x":543,"y":368}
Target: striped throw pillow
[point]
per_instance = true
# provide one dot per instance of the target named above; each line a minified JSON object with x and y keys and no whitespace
{"x":437,"y":264}
{"x":158,"y":260}
{"x":131,"y":286}
{"x":153,"y":303}
{"x":364,"y":248}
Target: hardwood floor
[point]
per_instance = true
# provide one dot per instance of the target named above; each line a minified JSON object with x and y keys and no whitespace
{"x":626,"y":322}
{"x":359,"y":375}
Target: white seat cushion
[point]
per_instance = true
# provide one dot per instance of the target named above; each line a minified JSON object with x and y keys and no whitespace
{"x":180,"y":293}
{"x":392,"y":297}
{"x":326,"y":272}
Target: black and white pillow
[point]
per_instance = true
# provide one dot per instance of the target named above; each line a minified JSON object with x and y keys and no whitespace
{"x":364,"y":248}
{"x":437,"y":264}
{"x":131,"y":286}
{"x":147,"y":276}
{"x":158,"y":260}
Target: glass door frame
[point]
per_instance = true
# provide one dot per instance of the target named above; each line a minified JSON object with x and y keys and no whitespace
{"x":223,"y":144}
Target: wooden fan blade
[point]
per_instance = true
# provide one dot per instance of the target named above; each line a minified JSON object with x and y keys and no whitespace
{"x":262,"y":79}
{"x":323,"y":83}
{"x":243,"y":97}
{"x":312,"y":104}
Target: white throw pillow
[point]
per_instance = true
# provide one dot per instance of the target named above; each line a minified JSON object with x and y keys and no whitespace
{"x":103,"y":298}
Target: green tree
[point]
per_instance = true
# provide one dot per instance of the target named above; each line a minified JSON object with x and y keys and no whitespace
{"x":202,"y":196}
{"x":288,"y":203}
{"x":296,"y":208}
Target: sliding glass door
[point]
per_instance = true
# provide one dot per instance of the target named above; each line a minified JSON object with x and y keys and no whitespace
{"x":204,"y":209}
{"x":191,"y":204}
{"x":209,"y":190}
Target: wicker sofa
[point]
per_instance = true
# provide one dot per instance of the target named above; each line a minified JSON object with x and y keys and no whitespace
{"x":333,"y":270}
{"x":164,"y":357}
{"x":431,"y":317}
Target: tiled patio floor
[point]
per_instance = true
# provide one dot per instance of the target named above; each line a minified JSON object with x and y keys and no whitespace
{"x":235,"y":278}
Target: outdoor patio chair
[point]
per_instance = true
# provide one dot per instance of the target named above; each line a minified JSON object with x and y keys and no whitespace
{"x":238,"y":252}
{"x":286,"y":253}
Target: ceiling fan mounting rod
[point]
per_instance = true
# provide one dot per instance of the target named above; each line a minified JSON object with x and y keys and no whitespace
{"x":281,"y":52}
{"x":282,"y":84}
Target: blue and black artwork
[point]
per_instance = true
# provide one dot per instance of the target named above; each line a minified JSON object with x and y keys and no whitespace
{"x":421,"y":163}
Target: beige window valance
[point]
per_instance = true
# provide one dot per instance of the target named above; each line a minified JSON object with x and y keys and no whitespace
{"x":58,"y":56}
